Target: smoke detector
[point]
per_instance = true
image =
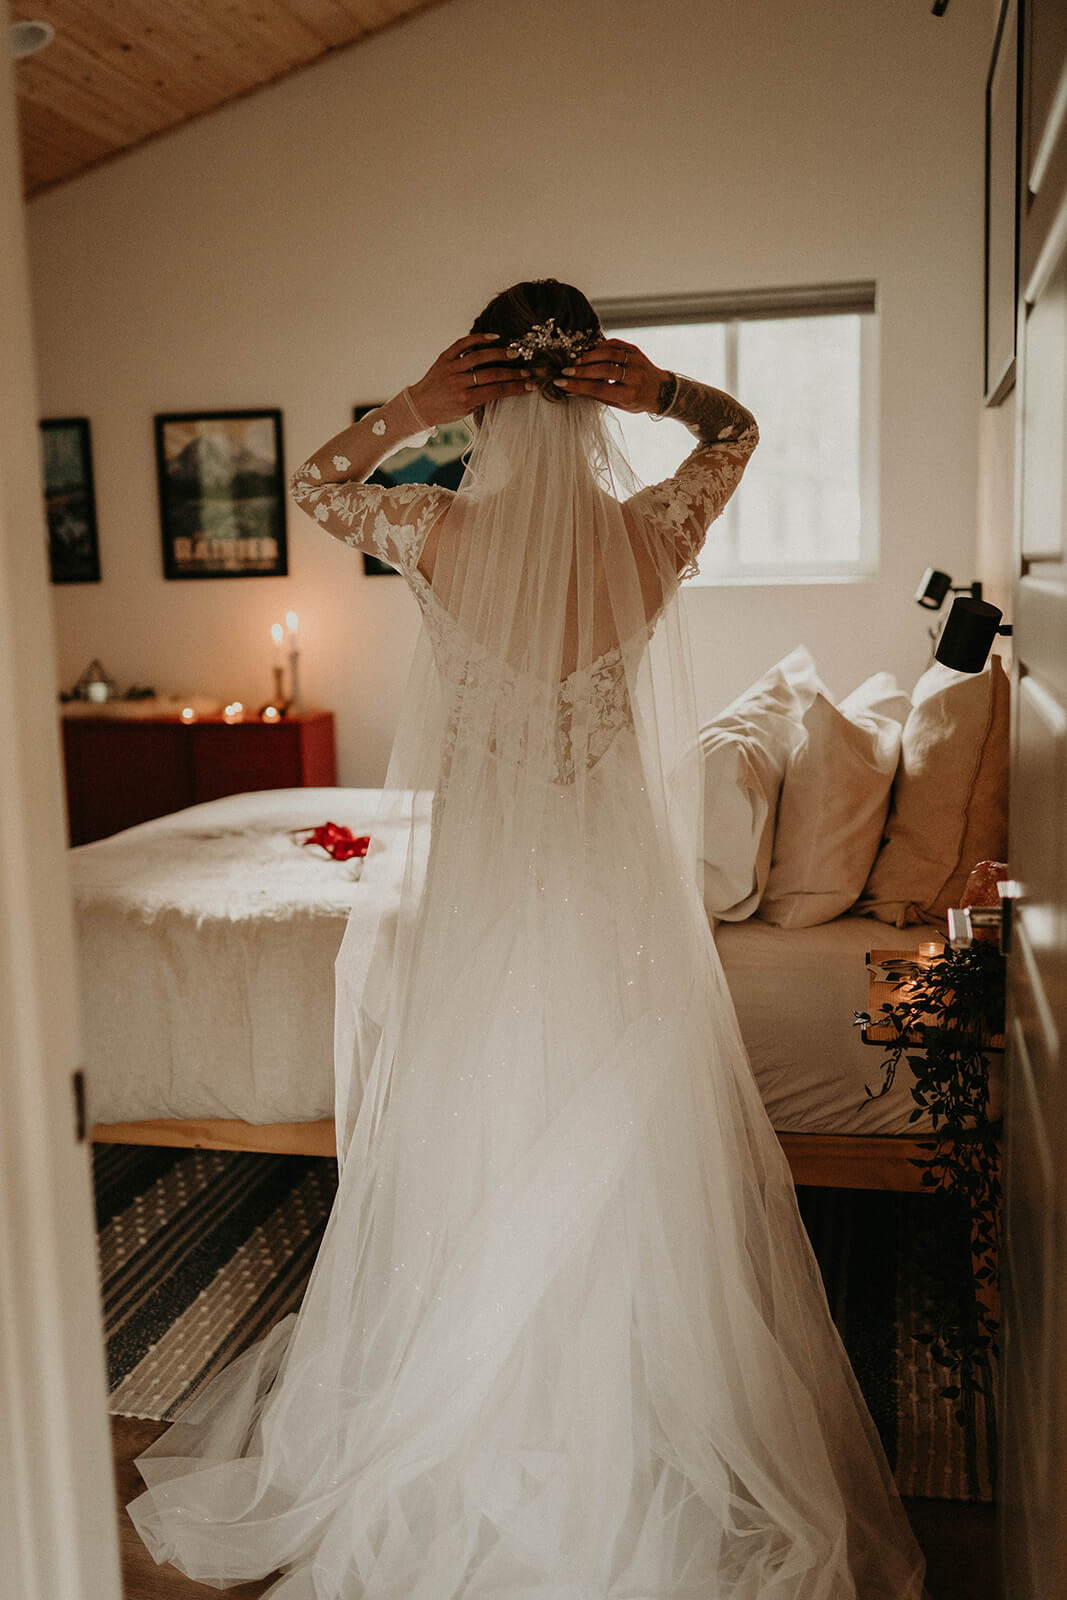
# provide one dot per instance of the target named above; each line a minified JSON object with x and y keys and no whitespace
{"x":29,"y":37}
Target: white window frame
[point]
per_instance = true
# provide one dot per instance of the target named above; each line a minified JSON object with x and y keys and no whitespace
{"x":854,"y":298}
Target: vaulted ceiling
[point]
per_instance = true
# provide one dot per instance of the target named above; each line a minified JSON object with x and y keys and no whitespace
{"x":120,"y":72}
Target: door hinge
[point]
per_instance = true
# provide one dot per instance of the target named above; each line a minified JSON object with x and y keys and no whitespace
{"x":77,"y":1080}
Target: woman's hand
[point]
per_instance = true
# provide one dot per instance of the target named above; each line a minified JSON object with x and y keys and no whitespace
{"x":467,"y":375}
{"x":616,"y":372}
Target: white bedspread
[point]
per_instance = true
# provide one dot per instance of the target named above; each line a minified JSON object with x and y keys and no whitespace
{"x":207,"y":942}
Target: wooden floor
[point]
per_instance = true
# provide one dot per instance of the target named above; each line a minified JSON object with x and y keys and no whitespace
{"x":959,"y":1540}
{"x":141,"y":1578}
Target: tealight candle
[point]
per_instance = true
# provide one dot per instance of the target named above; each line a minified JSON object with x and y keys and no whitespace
{"x":931,"y":952}
{"x":270,"y":714}
{"x":233,"y":712}
{"x":188,"y":713}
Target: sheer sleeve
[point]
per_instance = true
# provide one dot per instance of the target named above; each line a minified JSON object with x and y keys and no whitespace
{"x":685,"y":506}
{"x":389,"y":522}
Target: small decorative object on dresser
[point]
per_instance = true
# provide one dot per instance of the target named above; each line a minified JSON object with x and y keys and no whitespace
{"x":221,"y":494}
{"x":121,"y":771}
{"x":439,"y":460}
{"x":96,"y":685}
{"x":69,"y":500}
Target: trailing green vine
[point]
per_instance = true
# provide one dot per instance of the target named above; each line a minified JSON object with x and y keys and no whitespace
{"x":942,"y":1017}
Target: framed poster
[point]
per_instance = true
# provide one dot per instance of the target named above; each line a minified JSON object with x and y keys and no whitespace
{"x":439,"y":461}
{"x":69,"y":500}
{"x":221,"y":494}
{"x":1001,"y":206}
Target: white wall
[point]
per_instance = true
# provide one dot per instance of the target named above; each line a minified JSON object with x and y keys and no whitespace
{"x":315,"y":245}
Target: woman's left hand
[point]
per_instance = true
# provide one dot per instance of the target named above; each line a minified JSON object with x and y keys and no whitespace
{"x":617,"y":373}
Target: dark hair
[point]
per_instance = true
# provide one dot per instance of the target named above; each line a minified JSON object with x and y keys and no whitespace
{"x":514,"y":311}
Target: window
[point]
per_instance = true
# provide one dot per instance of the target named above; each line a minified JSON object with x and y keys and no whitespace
{"x":805,"y":363}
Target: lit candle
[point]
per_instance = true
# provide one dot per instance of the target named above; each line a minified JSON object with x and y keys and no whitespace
{"x":270,"y":714}
{"x":188,"y":714}
{"x":931,"y":952}
{"x":292,"y":622}
{"x":234,"y":711}
{"x":277,"y":633}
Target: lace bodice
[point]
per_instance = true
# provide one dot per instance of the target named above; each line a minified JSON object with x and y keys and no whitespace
{"x":585,"y":712}
{"x":592,"y":705}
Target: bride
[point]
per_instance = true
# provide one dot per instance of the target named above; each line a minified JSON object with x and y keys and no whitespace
{"x":565,"y":1338}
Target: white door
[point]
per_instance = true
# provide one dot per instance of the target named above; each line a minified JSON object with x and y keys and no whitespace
{"x":57,"y":1508}
{"x":1034,"y":1493}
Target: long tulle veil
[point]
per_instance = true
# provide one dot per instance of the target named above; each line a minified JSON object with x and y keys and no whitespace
{"x":565,"y":1337}
{"x":536,"y":718}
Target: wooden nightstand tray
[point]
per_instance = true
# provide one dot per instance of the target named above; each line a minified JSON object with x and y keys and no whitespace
{"x":888,"y":971}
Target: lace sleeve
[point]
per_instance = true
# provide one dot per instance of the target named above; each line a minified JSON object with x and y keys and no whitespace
{"x":391,"y":523}
{"x":685,"y":506}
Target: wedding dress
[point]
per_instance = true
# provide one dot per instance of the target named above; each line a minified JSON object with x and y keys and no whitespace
{"x":565,"y":1338}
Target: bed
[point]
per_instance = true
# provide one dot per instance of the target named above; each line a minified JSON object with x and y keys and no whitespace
{"x":207,"y":941}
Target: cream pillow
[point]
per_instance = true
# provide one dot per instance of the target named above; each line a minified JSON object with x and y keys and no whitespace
{"x":950,"y":796}
{"x":833,"y":804}
{"x":879,"y":693}
{"x":746,"y":749}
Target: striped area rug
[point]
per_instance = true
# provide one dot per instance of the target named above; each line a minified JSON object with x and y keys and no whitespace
{"x":887,"y":1260}
{"x":203,"y":1251}
{"x":936,"y":1457}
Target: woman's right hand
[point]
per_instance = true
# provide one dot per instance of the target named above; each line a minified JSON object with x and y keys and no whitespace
{"x":467,"y":375}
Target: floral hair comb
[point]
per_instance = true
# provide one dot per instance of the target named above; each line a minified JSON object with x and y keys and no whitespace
{"x":546,"y":336}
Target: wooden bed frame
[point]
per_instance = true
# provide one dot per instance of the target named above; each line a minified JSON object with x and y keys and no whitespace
{"x":820,"y":1160}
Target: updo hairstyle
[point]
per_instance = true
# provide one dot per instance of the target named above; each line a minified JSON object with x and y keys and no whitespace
{"x":514,"y":311}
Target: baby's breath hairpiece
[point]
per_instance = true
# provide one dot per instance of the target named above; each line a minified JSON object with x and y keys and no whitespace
{"x":546,"y":336}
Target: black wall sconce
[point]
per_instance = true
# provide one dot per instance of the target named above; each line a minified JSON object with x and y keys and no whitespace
{"x":935,"y":585}
{"x":967,"y":637}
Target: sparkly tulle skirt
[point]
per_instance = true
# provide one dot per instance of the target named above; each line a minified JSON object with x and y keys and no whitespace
{"x":565,"y":1338}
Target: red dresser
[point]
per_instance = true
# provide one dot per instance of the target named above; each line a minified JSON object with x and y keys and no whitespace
{"x":123,"y":770}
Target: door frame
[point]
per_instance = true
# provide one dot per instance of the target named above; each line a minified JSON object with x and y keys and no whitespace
{"x":58,"y":1528}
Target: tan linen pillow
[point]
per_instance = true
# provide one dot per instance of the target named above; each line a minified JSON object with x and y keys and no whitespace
{"x":950,"y":796}
{"x":833,"y":806}
{"x":746,"y":749}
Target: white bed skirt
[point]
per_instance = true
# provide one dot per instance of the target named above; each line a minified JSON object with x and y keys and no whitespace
{"x":207,"y":941}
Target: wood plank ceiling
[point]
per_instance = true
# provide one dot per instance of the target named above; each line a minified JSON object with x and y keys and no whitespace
{"x":120,"y":72}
